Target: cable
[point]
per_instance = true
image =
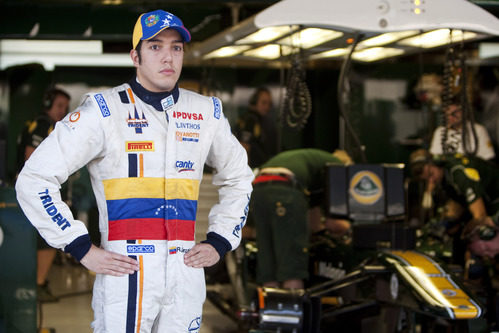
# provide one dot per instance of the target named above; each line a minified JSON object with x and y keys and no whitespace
{"x":343,"y":99}
{"x":297,"y":103}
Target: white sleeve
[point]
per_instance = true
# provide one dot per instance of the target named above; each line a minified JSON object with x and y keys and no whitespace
{"x":485,"y":147}
{"x":234,"y":177}
{"x":75,"y":141}
{"x":436,"y":142}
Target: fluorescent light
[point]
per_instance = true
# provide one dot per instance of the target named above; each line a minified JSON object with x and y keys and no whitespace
{"x":437,"y":37}
{"x":270,"y":52}
{"x":386,"y":38}
{"x":50,"y":61}
{"x":267,"y":34}
{"x":50,"y":46}
{"x":331,"y":53}
{"x":376,"y":53}
{"x":488,"y":50}
{"x":310,"y":37}
{"x":227,"y":51}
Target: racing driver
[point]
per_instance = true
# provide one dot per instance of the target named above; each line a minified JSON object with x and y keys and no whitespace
{"x":145,"y":144}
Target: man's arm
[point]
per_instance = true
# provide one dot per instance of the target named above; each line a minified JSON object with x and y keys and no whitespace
{"x":233,"y":177}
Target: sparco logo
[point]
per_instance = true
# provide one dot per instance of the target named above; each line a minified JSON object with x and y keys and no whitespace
{"x":187,"y":115}
{"x":184,"y":166}
{"x":140,"y":248}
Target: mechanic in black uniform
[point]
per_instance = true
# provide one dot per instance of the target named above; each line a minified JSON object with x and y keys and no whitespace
{"x":55,"y":107}
{"x":256,"y":129}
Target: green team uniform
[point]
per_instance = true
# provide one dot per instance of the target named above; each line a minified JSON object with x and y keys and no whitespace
{"x":279,"y":205}
{"x":469,"y":178}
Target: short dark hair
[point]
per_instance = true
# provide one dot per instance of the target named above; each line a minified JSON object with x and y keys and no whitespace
{"x":138,"y":48}
{"x":50,"y":95}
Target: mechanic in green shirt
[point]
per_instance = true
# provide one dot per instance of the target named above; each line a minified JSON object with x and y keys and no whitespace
{"x":286,"y":187}
{"x":471,"y":181}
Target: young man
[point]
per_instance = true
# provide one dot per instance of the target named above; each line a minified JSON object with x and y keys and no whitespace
{"x":145,"y":143}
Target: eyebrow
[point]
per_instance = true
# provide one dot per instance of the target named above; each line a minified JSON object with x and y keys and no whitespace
{"x":152,"y":40}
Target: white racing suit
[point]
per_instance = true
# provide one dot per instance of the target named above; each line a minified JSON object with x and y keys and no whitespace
{"x":145,"y":166}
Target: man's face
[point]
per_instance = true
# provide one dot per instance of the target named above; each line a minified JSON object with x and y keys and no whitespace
{"x":454,"y":115}
{"x":161,"y":61}
{"x":59,"y":108}
{"x":264,"y":103}
{"x":485,"y":248}
{"x":432,"y":174}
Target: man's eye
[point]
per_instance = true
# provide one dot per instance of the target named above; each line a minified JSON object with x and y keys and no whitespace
{"x":177,"y":48}
{"x":154,"y":47}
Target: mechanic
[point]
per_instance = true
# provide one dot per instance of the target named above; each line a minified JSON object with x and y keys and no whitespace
{"x":145,"y":143}
{"x":285,"y":188}
{"x":55,"y":107}
{"x":256,"y":129}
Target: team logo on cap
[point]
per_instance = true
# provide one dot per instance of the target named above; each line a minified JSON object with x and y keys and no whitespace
{"x":151,"y":20}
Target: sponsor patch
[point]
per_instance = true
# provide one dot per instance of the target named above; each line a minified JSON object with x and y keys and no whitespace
{"x":74,"y":117}
{"x":366,"y":187}
{"x":133,"y":146}
{"x":195,"y":325}
{"x":187,"y":136}
{"x":184,"y":166}
{"x":472,"y":174}
{"x":167,"y":102}
{"x":140,"y":249}
{"x":102,"y":105}
{"x":52,"y":211}
{"x":177,"y":249}
{"x":189,"y":126}
{"x":217,"y":107}
{"x":151,"y":20}
{"x":137,"y":122}
{"x":187,"y":115}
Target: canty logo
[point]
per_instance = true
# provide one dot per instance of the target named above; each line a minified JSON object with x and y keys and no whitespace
{"x":139,"y":146}
{"x":184,"y":166}
{"x":187,"y":115}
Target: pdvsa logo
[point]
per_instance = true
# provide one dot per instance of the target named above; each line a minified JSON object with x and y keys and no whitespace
{"x":184,"y":166}
{"x":187,"y":115}
{"x":366,"y":187}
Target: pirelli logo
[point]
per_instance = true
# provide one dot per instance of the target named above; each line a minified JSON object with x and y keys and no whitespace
{"x":139,"y":146}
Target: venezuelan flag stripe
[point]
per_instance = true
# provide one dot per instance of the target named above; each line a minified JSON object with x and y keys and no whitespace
{"x":151,"y":208}
{"x":151,"y":229}
{"x":147,"y":187}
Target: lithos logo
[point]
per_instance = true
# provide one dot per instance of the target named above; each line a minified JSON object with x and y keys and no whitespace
{"x":183,"y":166}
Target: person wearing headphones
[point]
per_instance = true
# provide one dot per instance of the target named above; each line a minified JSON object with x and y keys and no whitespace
{"x":55,"y":107}
{"x":256,"y":129}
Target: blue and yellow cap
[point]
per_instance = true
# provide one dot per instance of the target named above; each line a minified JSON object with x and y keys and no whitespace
{"x":150,"y":24}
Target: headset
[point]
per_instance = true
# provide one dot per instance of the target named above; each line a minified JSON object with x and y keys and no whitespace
{"x":50,"y":95}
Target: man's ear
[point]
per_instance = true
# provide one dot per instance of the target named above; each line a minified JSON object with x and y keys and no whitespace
{"x":135,"y":57}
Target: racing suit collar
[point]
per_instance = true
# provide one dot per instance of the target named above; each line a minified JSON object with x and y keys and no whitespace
{"x":153,"y":98}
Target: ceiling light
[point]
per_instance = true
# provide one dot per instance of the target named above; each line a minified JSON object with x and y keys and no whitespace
{"x":437,"y":37}
{"x":376,"y":53}
{"x":227,"y":51}
{"x":50,"y":61}
{"x":331,"y":53}
{"x":270,"y":52}
{"x":267,"y":34}
{"x":386,"y":38}
{"x":50,"y":46}
{"x":310,"y":37}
